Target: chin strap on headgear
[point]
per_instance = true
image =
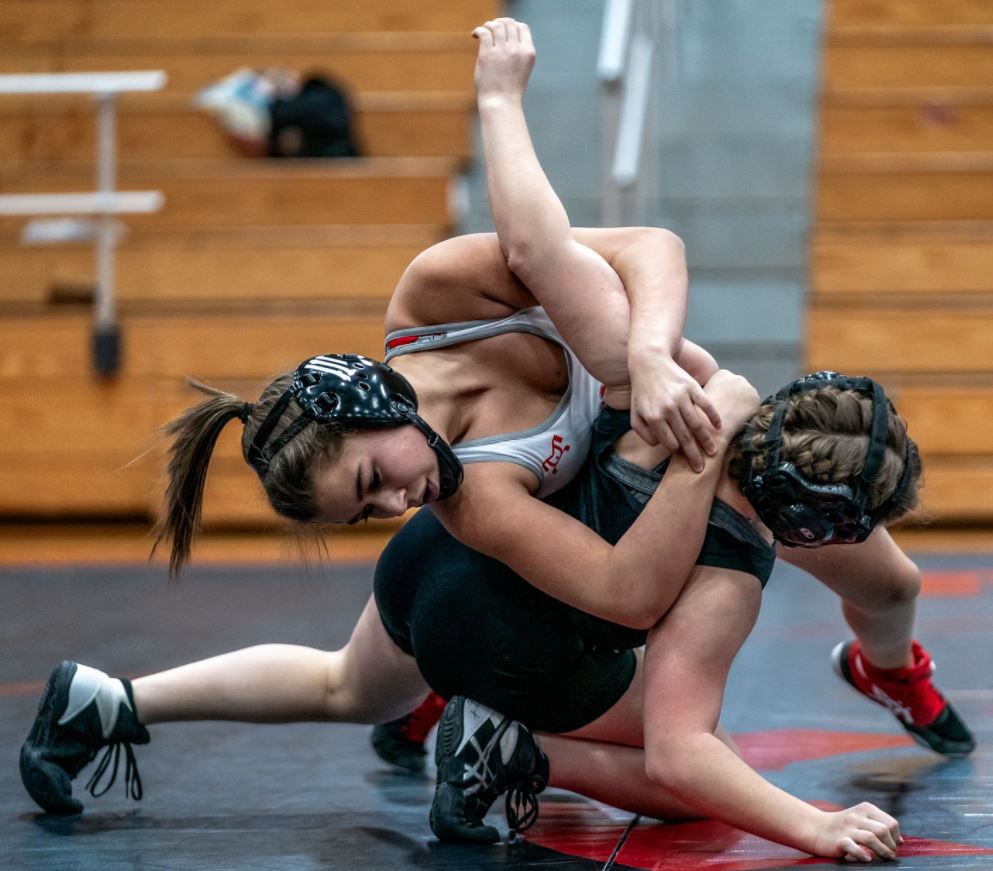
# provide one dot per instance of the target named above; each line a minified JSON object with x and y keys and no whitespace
{"x":357,"y":393}
{"x":804,"y":513}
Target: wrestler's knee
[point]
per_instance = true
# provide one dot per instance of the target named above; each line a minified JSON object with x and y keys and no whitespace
{"x":899,"y":583}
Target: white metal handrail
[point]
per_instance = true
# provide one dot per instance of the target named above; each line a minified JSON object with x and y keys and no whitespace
{"x":82,"y":83}
{"x":628,"y":71}
{"x":98,"y":203}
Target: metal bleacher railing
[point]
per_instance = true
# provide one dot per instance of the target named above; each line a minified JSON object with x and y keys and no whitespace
{"x":103,"y":204}
{"x":635,"y":40}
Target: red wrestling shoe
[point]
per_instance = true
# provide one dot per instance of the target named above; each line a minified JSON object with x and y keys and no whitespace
{"x":401,"y":742}
{"x":910,"y":695}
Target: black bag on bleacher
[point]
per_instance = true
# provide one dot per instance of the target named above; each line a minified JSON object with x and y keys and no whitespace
{"x":314,"y":122}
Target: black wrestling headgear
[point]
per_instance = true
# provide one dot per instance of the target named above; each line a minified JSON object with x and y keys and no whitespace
{"x":357,"y":393}
{"x":802,"y":513}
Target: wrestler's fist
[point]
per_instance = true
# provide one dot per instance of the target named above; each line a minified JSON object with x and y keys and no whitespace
{"x":734,"y":398}
{"x":505,"y":59}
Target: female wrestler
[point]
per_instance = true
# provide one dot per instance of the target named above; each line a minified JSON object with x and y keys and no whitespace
{"x":372,"y":676}
{"x":877,"y":583}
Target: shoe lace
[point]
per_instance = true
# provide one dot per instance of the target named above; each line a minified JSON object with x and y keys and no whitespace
{"x":522,"y":806}
{"x":132,"y":780}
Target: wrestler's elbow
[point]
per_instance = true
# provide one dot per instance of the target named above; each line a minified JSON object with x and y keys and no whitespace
{"x":639,"y":610}
{"x":664,"y":239}
{"x":521,"y":255}
{"x":666,"y":767}
{"x":678,"y":760}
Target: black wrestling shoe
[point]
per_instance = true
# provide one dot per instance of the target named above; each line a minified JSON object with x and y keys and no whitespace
{"x":911,"y":696}
{"x":401,"y":742}
{"x":81,"y":710}
{"x":481,"y":754}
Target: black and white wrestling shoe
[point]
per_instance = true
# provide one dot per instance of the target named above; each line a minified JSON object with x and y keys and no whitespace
{"x":81,"y":711}
{"x":481,"y":754}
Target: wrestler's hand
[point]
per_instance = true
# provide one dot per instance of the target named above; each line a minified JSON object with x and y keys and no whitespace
{"x":669,"y":407}
{"x":505,"y":59}
{"x":859,"y":834}
{"x":735,"y":400}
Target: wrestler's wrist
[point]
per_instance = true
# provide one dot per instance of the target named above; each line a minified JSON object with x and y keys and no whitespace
{"x":497,"y":101}
{"x":647,"y":355}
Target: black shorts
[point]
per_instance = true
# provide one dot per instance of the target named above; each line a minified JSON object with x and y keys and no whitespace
{"x":479,"y":630}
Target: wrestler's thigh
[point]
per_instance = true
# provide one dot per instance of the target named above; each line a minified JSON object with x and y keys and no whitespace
{"x":623,"y":723}
{"x":864,"y":574}
{"x":377,"y":680}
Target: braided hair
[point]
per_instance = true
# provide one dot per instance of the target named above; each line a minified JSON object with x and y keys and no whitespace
{"x":826,"y":433}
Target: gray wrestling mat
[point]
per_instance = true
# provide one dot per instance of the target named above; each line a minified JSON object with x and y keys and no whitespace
{"x":302,"y":797}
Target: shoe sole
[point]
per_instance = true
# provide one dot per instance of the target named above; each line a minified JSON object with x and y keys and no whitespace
{"x":446,"y":727}
{"x":839,"y":662}
{"x":47,"y":783}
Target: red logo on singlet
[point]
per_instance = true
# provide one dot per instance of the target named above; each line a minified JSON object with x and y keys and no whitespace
{"x":551,"y":462}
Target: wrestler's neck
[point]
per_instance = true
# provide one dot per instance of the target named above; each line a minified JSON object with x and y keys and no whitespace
{"x":729,"y":491}
{"x":443,"y":393}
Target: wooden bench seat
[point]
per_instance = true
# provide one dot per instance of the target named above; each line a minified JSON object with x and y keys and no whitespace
{"x":244,"y":192}
{"x":245,"y":345}
{"x":898,"y":260}
{"x":919,"y":14}
{"x":238,"y":266}
{"x":78,"y":446}
{"x":362,"y":62}
{"x":434,"y":124}
{"x":98,"y":449}
{"x":45,"y":20}
{"x":854,"y":63}
{"x":945,"y":187}
{"x":958,"y":491}
{"x":949,"y":419}
{"x":923,"y":125}
{"x":900,"y":337}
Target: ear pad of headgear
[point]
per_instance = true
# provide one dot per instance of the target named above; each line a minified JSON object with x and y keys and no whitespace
{"x":803,"y":513}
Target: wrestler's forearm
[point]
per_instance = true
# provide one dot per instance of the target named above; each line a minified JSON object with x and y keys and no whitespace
{"x":530,"y":220}
{"x":646,"y":570}
{"x":702,"y":771}
{"x":639,"y":316}
{"x":653,"y":271}
{"x":535,"y":236}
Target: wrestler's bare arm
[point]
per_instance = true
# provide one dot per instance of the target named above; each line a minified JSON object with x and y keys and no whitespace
{"x":575,"y":285}
{"x":687,"y":659}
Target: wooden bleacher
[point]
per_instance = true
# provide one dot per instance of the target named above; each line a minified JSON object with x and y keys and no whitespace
{"x":902,"y":246}
{"x":388,"y":124}
{"x":246,"y":192}
{"x":251,"y":265}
